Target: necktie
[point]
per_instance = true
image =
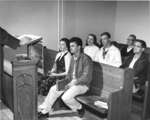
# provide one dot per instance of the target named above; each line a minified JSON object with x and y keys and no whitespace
{"x":104,"y":53}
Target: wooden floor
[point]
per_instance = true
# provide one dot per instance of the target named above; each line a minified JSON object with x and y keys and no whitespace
{"x":6,"y":114}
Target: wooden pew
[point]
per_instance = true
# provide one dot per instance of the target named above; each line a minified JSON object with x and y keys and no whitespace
{"x":112,"y":85}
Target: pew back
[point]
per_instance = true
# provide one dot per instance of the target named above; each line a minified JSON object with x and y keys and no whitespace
{"x":108,"y":79}
{"x":112,"y":85}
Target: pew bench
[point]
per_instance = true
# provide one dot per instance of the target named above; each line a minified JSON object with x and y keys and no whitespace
{"x":113,"y":86}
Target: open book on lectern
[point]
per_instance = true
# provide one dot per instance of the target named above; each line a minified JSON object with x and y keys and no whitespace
{"x":30,"y":41}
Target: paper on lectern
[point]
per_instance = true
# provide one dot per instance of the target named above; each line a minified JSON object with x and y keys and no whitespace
{"x":101,"y":104}
{"x":29,"y":38}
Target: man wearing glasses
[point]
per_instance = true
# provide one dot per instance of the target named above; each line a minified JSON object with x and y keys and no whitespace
{"x":128,"y":50}
{"x":139,"y":63}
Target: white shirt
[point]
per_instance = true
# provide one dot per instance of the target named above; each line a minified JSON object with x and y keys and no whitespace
{"x":112,"y":57}
{"x":67,"y":59}
{"x":133,"y":62}
{"x":91,"y":51}
{"x":129,"y":48}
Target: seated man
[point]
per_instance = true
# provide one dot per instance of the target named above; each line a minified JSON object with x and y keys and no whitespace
{"x":139,"y":63}
{"x":128,"y":50}
{"x":108,"y":54}
{"x":79,"y":77}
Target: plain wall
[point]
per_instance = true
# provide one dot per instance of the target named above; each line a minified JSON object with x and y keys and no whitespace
{"x":76,"y":18}
{"x":82,"y":18}
{"x":132,"y":18}
{"x":120,"y":18}
{"x":31,"y":17}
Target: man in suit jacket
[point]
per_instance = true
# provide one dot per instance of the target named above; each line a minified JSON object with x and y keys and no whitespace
{"x":128,"y":49}
{"x":139,"y":63}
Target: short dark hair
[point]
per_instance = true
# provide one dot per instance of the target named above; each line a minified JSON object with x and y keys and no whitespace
{"x":143,"y":43}
{"x":133,"y":36}
{"x":77,"y":40}
{"x":106,"y":33}
{"x":66,"y":40}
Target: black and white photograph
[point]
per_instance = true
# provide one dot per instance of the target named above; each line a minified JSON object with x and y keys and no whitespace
{"x":74,"y":59}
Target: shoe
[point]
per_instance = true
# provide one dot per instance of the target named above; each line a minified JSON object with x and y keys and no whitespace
{"x":41,"y":115}
{"x":139,"y":96}
{"x":81,"y":112}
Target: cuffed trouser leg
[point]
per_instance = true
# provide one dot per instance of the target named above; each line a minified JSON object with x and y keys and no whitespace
{"x":69,"y":96}
{"x":51,"y":97}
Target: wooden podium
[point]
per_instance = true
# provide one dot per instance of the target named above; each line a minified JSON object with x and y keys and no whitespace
{"x":25,"y":89}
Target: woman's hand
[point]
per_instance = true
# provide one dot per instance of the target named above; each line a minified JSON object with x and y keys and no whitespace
{"x":53,"y":74}
{"x":49,"y":73}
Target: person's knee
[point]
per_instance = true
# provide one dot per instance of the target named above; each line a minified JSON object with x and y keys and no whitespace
{"x":65,"y":98}
{"x":53,"y":88}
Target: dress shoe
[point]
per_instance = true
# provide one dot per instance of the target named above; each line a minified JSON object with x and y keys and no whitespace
{"x":41,"y":115}
{"x":81,"y":112}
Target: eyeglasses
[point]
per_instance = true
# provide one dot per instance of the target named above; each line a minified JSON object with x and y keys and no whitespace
{"x":137,"y":46}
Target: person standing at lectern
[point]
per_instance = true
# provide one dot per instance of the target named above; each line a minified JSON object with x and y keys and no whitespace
{"x":78,"y":80}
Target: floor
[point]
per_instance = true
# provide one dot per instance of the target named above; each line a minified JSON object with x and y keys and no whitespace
{"x":6,"y":114}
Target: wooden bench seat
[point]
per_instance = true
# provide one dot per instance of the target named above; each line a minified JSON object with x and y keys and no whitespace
{"x":88,"y":102}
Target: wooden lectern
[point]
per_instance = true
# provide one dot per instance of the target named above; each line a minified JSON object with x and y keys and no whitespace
{"x":25,"y":89}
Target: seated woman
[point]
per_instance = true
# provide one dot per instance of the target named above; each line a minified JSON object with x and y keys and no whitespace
{"x":91,"y":46}
{"x":139,"y":63}
{"x":60,"y":67}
